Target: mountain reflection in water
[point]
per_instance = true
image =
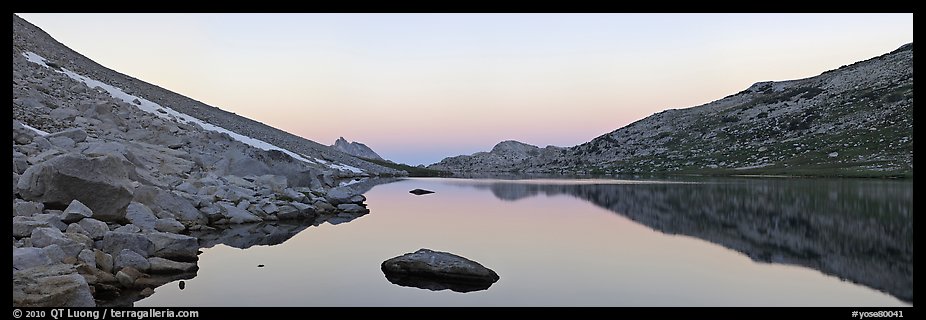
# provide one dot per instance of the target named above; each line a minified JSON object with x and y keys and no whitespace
{"x":857,"y":230}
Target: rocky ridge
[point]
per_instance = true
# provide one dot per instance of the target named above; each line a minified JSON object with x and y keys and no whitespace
{"x":115,"y":180}
{"x":853,"y":121}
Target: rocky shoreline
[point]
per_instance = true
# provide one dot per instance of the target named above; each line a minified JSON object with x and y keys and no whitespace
{"x":114,"y":193}
{"x":116,"y":235}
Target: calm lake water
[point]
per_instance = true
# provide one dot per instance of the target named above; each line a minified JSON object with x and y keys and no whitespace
{"x":704,"y":242}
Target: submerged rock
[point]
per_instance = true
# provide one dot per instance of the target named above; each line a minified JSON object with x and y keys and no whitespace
{"x":436,"y":270}
{"x":419,"y":192}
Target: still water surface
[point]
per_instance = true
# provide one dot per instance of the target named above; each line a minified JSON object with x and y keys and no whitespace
{"x":705,"y":242}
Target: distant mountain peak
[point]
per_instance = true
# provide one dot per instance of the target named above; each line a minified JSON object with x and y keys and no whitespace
{"x":356,"y":149}
{"x":513,"y":146}
{"x":502,"y":157}
{"x":856,"y":120}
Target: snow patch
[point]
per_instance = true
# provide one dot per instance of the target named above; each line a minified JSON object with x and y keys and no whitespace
{"x":754,"y":167}
{"x":344,"y":167}
{"x":339,"y":167}
{"x":34,"y":58}
{"x":36,"y":130}
{"x":171,"y":114}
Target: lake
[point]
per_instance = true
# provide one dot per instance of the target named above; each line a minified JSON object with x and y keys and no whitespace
{"x":584,"y":242}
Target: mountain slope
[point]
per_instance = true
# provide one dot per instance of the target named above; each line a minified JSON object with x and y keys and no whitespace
{"x":356,"y":149}
{"x":29,"y":38}
{"x":853,"y":121}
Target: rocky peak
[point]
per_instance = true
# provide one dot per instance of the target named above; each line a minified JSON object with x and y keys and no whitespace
{"x":356,"y":149}
{"x":514,"y":148}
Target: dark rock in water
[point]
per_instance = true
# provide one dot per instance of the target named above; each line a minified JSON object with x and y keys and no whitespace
{"x":419,"y":192}
{"x":182,"y":284}
{"x":435,"y":270}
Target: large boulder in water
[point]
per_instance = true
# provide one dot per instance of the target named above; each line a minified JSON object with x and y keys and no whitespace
{"x":101,"y":183}
{"x":436,"y":270}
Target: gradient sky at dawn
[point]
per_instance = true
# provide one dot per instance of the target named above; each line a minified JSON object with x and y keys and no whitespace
{"x":420,"y":87}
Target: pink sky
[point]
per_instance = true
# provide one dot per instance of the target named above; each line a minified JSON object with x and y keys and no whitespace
{"x":420,"y":87}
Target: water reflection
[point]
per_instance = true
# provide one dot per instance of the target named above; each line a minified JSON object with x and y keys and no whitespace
{"x":857,"y":230}
{"x":242,"y":236}
{"x":248,"y":235}
{"x":127,"y":297}
{"x":432,"y":284}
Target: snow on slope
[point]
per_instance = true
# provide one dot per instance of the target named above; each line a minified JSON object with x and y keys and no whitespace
{"x":36,"y":130}
{"x":171,"y":114}
{"x":339,"y":166}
